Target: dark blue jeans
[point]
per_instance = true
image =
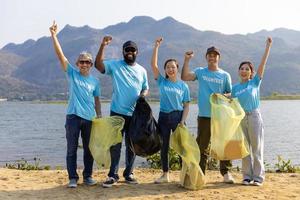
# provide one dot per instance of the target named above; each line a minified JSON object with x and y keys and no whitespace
{"x":74,"y":126}
{"x":115,"y":151}
{"x":167,"y":122}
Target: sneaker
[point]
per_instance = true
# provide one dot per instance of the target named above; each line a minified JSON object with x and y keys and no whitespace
{"x":72,"y":183}
{"x":257,"y":183}
{"x":109,"y":182}
{"x":89,"y":181}
{"x":163,"y":179}
{"x":246,"y":182}
{"x":130,"y":179}
{"x":228,"y":178}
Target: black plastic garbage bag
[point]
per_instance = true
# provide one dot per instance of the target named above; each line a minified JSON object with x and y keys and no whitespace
{"x":143,"y":131}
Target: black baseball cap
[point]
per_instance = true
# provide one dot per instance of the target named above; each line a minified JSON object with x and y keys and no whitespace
{"x":213,"y":49}
{"x":130,"y":43}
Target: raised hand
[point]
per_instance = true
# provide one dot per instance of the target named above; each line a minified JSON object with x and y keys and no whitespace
{"x":158,"y":41}
{"x":106,"y":40}
{"x":53,"y":29}
{"x":188,"y":55}
{"x":269,"y":41}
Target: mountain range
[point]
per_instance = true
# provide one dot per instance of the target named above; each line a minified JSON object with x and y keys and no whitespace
{"x":31,"y":70}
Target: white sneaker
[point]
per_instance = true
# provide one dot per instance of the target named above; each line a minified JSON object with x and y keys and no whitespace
{"x":246,"y":182}
{"x":228,"y":178}
{"x":257,"y":183}
{"x":163,"y":179}
{"x":72,"y":183}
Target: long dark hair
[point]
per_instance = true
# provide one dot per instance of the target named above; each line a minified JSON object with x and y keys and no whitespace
{"x":251,"y":66}
{"x":170,"y":60}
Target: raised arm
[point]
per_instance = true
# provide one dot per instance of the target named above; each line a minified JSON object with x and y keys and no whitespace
{"x":261,"y":67}
{"x":100,"y":56}
{"x":154,"y":65}
{"x":58,"y":50}
{"x":186,"y":74}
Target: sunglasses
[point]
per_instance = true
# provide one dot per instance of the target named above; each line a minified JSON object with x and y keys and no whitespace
{"x":130,"y":49}
{"x":85,"y":62}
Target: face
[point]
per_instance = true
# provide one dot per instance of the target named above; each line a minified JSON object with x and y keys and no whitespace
{"x":212,"y":58}
{"x":245,"y":72}
{"x":84,"y":66}
{"x":129,"y":54}
{"x":171,"y":69}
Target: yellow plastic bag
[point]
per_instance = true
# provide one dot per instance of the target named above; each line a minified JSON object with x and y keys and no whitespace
{"x":191,"y":175}
{"x":105,"y":133}
{"x":227,"y":138}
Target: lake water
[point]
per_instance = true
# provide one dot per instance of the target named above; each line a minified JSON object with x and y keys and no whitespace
{"x":29,"y":130}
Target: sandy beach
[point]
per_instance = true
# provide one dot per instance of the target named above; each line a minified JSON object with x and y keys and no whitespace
{"x":16,"y":184}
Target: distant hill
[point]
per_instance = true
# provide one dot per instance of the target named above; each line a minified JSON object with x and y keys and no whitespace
{"x":31,"y":70}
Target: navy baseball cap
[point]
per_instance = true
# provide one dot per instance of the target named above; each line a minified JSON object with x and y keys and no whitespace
{"x":213,"y":49}
{"x":130,"y":44}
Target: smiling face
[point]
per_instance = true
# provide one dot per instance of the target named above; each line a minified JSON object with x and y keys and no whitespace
{"x":245,"y":71}
{"x":84,"y":66}
{"x":171,"y":69}
{"x":212,"y":59}
{"x":130,"y":54}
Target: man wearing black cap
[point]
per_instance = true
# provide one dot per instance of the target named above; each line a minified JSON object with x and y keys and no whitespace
{"x":211,"y":79}
{"x":129,"y":82}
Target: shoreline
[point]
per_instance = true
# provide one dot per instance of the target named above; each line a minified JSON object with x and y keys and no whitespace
{"x":51,"y":184}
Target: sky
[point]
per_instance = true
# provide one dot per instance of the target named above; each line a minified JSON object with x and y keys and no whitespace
{"x":30,"y":19}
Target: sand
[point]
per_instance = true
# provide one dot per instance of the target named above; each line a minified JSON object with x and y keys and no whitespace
{"x":16,"y":184}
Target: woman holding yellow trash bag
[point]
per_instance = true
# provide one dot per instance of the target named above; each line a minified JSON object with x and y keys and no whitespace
{"x":247,"y":92}
{"x":174,"y":104}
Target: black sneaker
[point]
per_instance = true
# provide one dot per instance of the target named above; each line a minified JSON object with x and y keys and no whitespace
{"x":109,"y":182}
{"x":130,"y":180}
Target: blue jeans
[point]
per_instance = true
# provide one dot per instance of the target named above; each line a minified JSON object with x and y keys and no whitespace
{"x":115,"y":151}
{"x":74,"y":126}
{"x":167,"y":122}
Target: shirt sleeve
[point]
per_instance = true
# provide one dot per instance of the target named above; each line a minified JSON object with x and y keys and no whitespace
{"x":257,"y":80}
{"x":145,"y":85}
{"x":160,"y":79}
{"x":228,"y":86}
{"x":71,"y":69}
{"x":197,"y":72}
{"x":108,"y":64}
{"x":97,"y":91}
{"x":186,"y":94}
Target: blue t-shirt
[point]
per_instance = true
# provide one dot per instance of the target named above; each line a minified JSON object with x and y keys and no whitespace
{"x":248,"y":93}
{"x":82,"y":90}
{"x":172,"y":94}
{"x":210,"y":82}
{"x":128,"y":82}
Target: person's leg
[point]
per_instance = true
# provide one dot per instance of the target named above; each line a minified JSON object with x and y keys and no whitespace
{"x":115,"y":154}
{"x":72,"y":134}
{"x":203,"y":140}
{"x":225,"y":166}
{"x":88,"y":159}
{"x":256,"y":133}
{"x":130,"y":155}
{"x":247,"y":161}
{"x":165,"y":131}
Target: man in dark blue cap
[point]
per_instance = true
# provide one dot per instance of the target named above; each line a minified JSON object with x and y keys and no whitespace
{"x":129,"y":82}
